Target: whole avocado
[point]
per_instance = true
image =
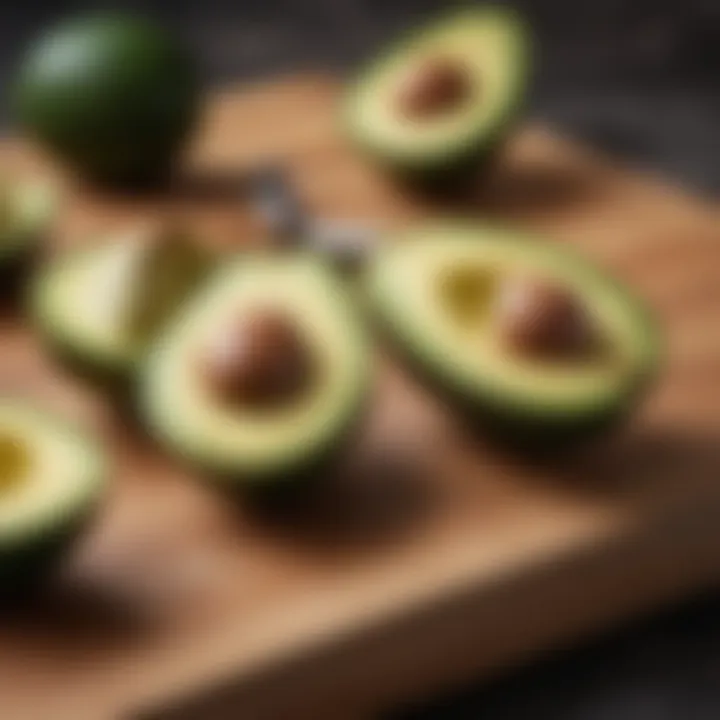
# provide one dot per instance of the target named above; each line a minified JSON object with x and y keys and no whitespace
{"x":112,"y":94}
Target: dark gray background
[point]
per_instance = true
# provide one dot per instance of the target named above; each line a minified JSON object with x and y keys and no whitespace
{"x":637,"y":78}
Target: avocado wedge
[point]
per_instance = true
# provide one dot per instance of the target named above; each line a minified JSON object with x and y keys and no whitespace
{"x":436,"y":104}
{"x":285,"y":386}
{"x":26,"y":210}
{"x":51,"y":478}
{"x":98,"y":307}
{"x":537,"y":369}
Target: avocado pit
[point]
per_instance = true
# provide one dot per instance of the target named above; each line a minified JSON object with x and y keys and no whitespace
{"x":259,"y":361}
{"x":434,"y":86}
{"x":540,"y":319}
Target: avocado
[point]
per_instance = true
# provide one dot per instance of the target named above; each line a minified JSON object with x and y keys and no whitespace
{"x":435,"y":106}
{"x":538,"y":363}
{"x":51,"y":478}
{"x":98,"y":307}
{"x":26,"y":210}
{"x":112,"y":94}
{"x":286,"y":385}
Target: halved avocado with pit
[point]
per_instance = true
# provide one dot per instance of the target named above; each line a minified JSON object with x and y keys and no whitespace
{"x":526,"y":378}
{"x":98,"y":307}
{"x":51,"y":479}
{"x":26,"y":210}
{"x":434,"y":106}
{"x":262,"y":376}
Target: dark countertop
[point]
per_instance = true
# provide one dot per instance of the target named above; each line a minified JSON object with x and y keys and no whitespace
{"x":636,"y":78}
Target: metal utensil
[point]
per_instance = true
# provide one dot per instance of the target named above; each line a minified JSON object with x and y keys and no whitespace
{"x":346,"y":243}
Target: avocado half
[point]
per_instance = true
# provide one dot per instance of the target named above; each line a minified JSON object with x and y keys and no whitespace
{"x":261,"y":453}
{"x":26,"y":210}
{"x":434,"y":290}
{"x":51,"y":479}
{"x":111,"y":93}
{"x":98,"y":307}
{"x":492,"y":45}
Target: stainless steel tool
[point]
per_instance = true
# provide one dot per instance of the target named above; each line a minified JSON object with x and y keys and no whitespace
{"x":346,"y":243}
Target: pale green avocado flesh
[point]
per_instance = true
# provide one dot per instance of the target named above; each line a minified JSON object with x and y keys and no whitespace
{"x":103,"y":304}
{"x":453,"y":337}
{"x":240,"y":443}
{"x":26,"y":208}
{"x":50,"y":479}
{"x":491,"y":45}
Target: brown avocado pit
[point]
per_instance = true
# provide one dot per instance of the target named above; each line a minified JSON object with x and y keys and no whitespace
{"x":434,"y":86}
{"x":539,"y":319}
{"x":259,"y":360}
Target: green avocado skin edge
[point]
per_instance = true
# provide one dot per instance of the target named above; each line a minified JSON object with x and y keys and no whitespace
{"x":508,"y":426}
{"x":296,"y":485}
{"x":277,"y":479}
{"x":461,"y":163}
{"x":24,"y":569}
{"x":109,"y":375}
{"x":30,"y":555}
{"x":522,"y":426}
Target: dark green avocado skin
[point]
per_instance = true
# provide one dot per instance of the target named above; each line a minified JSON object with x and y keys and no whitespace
{"x":457,"y":174}
{"x":111,"y":94}
{"x":26,"y":568}
{"x":15,"y":269}
{"x":290,"y":487}
{"x":293,"y":487}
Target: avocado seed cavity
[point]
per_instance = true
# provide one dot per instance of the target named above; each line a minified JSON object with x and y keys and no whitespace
{"x":466,"y":293}
{"x":259,"y":360}
{"x":540,"y":319}
{"x":434,"y":86}
{"x":14,"y":461}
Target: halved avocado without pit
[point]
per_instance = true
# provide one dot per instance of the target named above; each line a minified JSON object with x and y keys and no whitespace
{"x":275,"y":405}
{"x":441,"y":293}
{"x":99,"y":306}
{"x":51,"y":479}
{"x":436,"y":104}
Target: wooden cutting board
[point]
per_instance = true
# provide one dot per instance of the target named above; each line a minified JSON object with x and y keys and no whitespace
{"x":438,"y":558}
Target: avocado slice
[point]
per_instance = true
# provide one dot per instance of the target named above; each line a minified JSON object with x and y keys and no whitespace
{"x":51,"y":478}
{"x":246,"y":446}
{"x":437,"y":291}
{"x":98,"y":307}
{"x":26,"y":210}
{"x":475,"y":65}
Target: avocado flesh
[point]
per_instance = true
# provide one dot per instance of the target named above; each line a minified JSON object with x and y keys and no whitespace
{"x":246,"y":446}
{"x":52,"y":477}
{"x":101,"y":306}
{"x":460,"y":351}
{"x":491,"y":45}
{"x":26,"y":208}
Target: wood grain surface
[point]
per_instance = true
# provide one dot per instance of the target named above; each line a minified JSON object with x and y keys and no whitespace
{"x":436,"y":556}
